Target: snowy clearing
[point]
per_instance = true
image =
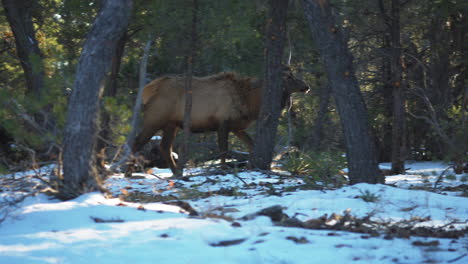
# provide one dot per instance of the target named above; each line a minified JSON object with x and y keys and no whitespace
{"x":95,"y":229}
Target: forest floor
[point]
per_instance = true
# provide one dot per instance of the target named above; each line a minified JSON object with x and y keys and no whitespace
{"x":244,"y":217}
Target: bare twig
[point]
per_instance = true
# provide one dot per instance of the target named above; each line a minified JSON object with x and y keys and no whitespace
{"x":19,"y":110}
{"x":432,"y":119}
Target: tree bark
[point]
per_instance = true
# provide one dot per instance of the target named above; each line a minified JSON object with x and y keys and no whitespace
{"x":385,"y":146}
{"x":115,"y":66}
{"x":18,"y":13}
{"x":81,"y":128}
{"x":315,"y":142}
{"x":111,"y":91}
{"x":270,"y":110}
{"x":136,"y":120}
{"x":398,"y":121}
{"x":338,"y":62}
{"x":184,"y":150}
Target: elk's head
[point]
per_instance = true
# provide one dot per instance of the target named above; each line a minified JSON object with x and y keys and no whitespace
{"x":292,"y":84}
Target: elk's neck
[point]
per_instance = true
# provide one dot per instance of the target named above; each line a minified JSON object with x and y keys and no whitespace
{"x":255,"y":97}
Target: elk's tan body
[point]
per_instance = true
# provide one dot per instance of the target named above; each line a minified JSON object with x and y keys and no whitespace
{"x":216,"y":99}
{"x":223,"y":102}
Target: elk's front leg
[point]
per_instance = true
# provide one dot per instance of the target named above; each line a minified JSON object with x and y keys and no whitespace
{"x":244,"y":137}
{"x":223,"y":134}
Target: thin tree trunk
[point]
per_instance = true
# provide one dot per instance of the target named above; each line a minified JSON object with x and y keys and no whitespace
{"x":115,"y":66}
{"x":81,"y":129}
{"x":18,"y":13}
{"x":290,"y":102}
{"x":398,"y":122}
{"x":136,"y":117}
{"x":290,"y":121}
{"x":385,"y":150}
{"x":184,"y":151}
{"x":319,"y":123}
{"x":338,"y":62}
{"x":136,"y":120}
{"x":270,"y":110}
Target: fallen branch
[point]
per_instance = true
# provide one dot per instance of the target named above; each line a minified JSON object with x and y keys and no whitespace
{"x":350,"y":223}
{"x":457,"y":258}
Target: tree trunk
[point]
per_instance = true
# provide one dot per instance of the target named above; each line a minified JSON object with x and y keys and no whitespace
{"x":316,"y":137}
{"x":18,"y":13}
{"x":398,"y":122}
{"x":338,"y":62}
{"x":136,"y":117}
{"x":5,"y":143}
{"x":270,"y":110}
{"x":81,"y":128}
{"x":136,"y":120}
{"x":184,"y":150}
{"x":115,"y":66}
{"x":111,"y":91}
{"x":385,"y":147}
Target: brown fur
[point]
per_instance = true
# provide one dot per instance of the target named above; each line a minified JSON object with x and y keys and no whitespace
{"x":224,"y":102}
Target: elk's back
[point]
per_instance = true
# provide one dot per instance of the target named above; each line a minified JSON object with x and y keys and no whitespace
{"x":214,"y":101}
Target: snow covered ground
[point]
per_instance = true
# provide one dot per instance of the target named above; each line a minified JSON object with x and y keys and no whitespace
{"x":95,"y":229}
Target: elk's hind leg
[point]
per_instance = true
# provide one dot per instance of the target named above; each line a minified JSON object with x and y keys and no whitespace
{"x":169,"y":134}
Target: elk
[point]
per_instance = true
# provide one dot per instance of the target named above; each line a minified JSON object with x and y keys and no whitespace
{"x":223,"y":102}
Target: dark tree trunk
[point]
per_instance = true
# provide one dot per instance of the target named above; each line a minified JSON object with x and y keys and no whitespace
{"x":18,"y":13}
{"x":184,"y":150}
{"x":5,"y":143}
{"x":322,"y":116}
{"x":338,"y":62}
{"x":115,"y":66}
{"x":111,"y":91}
{"x":385,"y":147}
{"x":398,"y":122}
{"x":81,"y":128}
{"x":270,"y":110}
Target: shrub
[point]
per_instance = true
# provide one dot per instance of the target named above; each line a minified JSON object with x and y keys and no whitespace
{"x":451,"y":177}
{"x":298,"y":163}
{"x":464,"y":178}
{"x":369,"y":197}
{"x":321,"y":166}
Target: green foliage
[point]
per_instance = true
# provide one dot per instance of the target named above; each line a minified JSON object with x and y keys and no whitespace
{"x":18,"y":119}
{"x":315,"y":167}
{"x":119,"y":119}
{"x":230,"y":38}
{"x":456,"y":126}
{"x":298,"y":163}
{"x":3,"y":169}
{"x":451,"y":177}
{"x":369,"y":197}
{"x":464,"y":178}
